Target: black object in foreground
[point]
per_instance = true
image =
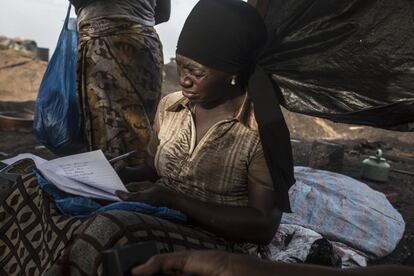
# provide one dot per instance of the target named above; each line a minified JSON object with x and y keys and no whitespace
{"x":120,"y":261}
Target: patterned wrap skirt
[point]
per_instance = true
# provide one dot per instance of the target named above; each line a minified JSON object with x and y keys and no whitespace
{"x":120,"y":65}
{"x":36,"y":239}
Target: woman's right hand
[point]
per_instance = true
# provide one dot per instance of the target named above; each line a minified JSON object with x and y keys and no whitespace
{"x":148,"y":192}
{"x":128,"y":174}
{"x":137,"y":174}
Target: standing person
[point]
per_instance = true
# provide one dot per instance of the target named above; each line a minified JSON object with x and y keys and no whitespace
{"x":120,"y":65}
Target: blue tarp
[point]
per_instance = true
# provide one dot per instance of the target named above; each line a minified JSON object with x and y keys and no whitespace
{"x":83,"y":207}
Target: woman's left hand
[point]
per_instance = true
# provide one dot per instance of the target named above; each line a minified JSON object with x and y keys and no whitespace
{"x":147,"y":192}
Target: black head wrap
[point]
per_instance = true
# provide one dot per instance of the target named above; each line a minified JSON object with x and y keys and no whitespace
{"x":229,"y":35}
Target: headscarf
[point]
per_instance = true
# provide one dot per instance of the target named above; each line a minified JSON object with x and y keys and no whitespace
{"x":229,"y":35}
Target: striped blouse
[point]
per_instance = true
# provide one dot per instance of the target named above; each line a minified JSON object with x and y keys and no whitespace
{"x":221,"y":166}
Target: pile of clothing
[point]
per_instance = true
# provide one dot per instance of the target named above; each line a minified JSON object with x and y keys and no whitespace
{"x":336,"y":221}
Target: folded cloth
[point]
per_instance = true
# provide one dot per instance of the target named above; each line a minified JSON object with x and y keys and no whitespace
{"x":82,"y":207}
{"x":343,"y":209}
{"x":293,"y":244}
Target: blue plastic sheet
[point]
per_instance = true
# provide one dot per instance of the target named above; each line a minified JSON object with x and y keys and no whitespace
{"x":56,"y":119}
{"x":345,"y":210}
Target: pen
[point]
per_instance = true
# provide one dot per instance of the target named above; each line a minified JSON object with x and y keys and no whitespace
{"x":123,"y":156}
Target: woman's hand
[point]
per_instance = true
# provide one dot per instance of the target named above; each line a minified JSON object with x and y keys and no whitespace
{"x":139,"y":173}
{"x":147,"y":192}
{"x":201,"y":263}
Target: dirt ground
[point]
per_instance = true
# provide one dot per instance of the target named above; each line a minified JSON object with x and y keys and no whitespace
{"x":18,"y":89}
{"x":20,"y":75}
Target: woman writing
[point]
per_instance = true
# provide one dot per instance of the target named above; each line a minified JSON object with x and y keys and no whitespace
{"x":209,"y":157}
{"x":220,"y":155}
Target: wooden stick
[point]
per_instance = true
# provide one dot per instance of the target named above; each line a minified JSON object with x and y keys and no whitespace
{"x":403,"y":172}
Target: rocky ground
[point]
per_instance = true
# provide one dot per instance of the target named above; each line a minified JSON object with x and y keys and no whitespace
{"x":20,"y":75}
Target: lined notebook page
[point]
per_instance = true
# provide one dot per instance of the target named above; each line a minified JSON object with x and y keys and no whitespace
{"x":88,"y":174}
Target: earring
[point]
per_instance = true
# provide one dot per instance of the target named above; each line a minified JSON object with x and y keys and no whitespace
{"x":233,"y":80}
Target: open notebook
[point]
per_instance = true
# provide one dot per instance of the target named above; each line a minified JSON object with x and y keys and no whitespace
{"x":87,"y":174}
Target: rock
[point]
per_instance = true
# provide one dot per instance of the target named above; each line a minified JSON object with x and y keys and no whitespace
{"x":29,"y":45}
{"x":4,"y":43}
{"x":327,"y":156}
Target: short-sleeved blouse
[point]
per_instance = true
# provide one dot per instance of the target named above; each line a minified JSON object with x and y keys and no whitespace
{"x":225,"y":161}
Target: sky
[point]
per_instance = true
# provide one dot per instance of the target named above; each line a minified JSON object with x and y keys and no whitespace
{"x":42,"y":20}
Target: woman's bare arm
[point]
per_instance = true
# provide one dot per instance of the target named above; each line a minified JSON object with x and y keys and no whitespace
{"x":255,"y":223}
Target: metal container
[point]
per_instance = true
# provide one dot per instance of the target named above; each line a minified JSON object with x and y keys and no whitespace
{"x":15,"y":121}
{"x":376,"y":168}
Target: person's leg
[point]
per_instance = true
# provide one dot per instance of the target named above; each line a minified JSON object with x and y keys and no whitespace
{"x":116,"y":228}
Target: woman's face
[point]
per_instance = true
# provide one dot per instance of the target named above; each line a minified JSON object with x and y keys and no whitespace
{"x":201,"y":84}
